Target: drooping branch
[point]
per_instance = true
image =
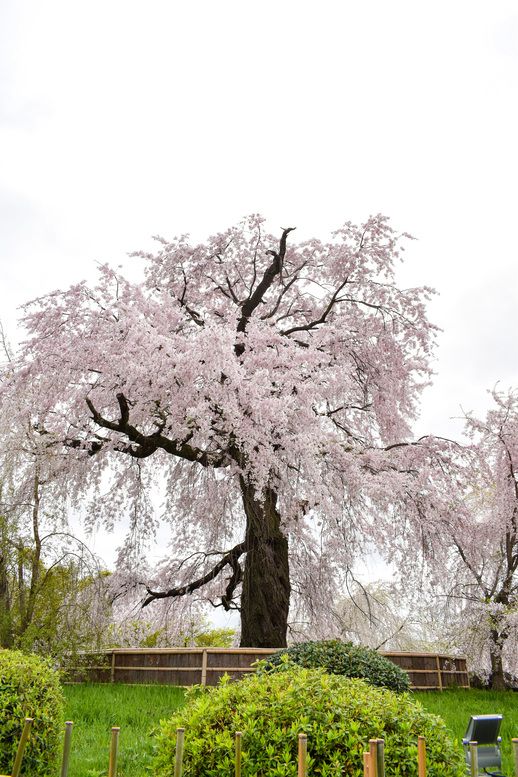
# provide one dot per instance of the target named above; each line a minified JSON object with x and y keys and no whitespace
{"x":229,"y":559}
{"x":233,"y":582}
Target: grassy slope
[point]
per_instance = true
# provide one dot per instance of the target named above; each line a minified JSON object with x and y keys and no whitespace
{"x":136,"y":709}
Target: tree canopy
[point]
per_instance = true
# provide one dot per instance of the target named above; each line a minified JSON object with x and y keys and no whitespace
{"x":268,"y":387}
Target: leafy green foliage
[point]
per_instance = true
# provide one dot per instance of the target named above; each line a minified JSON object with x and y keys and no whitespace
{"x":338,"y":714}
{"x":29,"y":688}
{"x":194,"y":632}
{"x":200,"y":634}
{"x":222,"y":637}
{"x":343,"y":658}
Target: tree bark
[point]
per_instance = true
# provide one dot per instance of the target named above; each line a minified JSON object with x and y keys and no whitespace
{"x":265,"y":598}
{"x":497,"y":667}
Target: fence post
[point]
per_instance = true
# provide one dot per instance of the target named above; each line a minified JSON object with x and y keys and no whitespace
{"x":380,"y":758}
{"x":239,"y":738}
{"x":112,"y":769}
{"x":515,"y":753}
{"x":373,"y":757}
{"x":474,"y":758}
{"x":112,"y":668}
{"x":366,"y":759}
{"x":66,"y":749}
{"x":439,"y":678}
{"x":421,"y":756}
{"x":204,"y":668}
{"x":303,"y":750}
{"x":21,"y":747}
{"x":178,"y":756}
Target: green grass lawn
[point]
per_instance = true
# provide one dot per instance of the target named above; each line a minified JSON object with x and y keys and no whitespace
{"x":137,"y":709}
{"x":94,"y":709}
{"x":455,"y":706}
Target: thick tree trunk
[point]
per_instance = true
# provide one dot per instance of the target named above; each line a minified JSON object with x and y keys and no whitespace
{"x":497,"y":667}
{"x":265,"y":599}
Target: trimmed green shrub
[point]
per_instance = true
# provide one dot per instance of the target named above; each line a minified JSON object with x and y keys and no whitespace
{"x":346,"y":659}
{"x":29,"y":688}
{"x":338,"y":714}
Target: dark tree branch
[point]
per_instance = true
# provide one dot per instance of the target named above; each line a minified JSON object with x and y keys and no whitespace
{"x":230,"y":558}
{"x":284,"y":289}
{"x":322,"y":319}
{"x":268,"y":278}
{"x":145,"y":445}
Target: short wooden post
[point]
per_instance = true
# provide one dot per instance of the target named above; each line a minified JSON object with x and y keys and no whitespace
{"x":112,"y":769}
{"x":178,"y":757}
{"x":421,"y":756}
{"x":380,"y":758}
{"x":66,"y":749}
{"x":303,"y":750}
{"x":21,"y":747}
{"x":515,"y":753}
{"x":474,"y":758}
{"x":239,"y":740}
{"x":366,"y":764}
{"x":373,"y":757}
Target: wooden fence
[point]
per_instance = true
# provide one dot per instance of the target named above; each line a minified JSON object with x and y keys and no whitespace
{"x":373,"y":760}
{"x":431,"y":671}
{"x":206,"y":666}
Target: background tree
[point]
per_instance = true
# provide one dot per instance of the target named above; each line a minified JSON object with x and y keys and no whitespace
{"x":484,"y":530}
{"x":52,"y":591}
{"x":267,"y":382}
{"x":469,"y":540}
{"x":380,"y":615}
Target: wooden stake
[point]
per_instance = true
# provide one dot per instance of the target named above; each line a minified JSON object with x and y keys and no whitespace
{"x":380,"y":758}
{"x":239,"y":738}
{"x":474,"y":758}
{"x":178,"y":757}
{"x":366,"y":764}
{"x":373,"y":757}
{"x":515,"y":753}
{"x":66,"y":749}
{"x":303,"y":750}
{"x":112,"y":769}
{"x":21,"y":747}
{"x":421,"y":756}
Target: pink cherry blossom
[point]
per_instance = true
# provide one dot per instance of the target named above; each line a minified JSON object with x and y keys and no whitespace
{"x":262,"y":385}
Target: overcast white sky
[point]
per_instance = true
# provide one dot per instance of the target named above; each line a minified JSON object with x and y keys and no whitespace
{"x":120,"y":120}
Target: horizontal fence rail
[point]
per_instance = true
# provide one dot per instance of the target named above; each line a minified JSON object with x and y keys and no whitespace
{"x":206,"y":666}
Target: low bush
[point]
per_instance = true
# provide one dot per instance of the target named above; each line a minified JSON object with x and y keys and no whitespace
{"x":338,"y":714}
{"x":345,"y":659}
{"x":29,"y":688}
